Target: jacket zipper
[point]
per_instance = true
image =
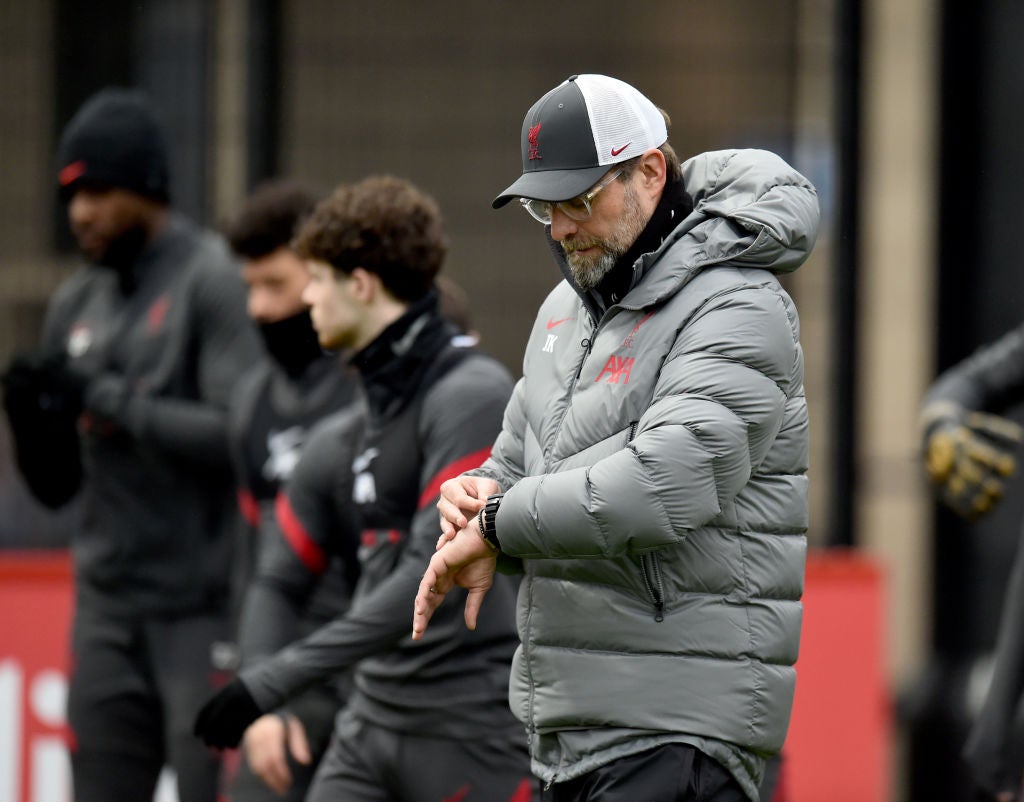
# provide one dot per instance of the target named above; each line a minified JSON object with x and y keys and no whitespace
{"x":586,"y":353}
{"x":579,"y":369}
{"x":650,"y":566}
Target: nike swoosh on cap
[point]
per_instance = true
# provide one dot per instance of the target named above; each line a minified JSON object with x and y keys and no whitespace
{"x":617,"y":151}
{"x":553,"y":323}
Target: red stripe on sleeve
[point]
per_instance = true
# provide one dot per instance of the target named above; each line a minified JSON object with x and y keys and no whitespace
{"x":249,"y":506}
{"x":466,"y":463}
{"x":307,"y":549}
{"x":524,"y":793}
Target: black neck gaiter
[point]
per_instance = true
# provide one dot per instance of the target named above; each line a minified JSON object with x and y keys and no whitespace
{"x":292,"y":342}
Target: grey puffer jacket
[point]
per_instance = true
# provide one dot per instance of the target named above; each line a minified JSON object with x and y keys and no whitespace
{"x":655,"y":466}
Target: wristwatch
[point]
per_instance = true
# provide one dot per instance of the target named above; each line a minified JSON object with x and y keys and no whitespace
{"x":486,"y":519}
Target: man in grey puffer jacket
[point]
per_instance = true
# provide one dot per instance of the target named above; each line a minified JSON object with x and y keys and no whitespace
{"x":650,"y":477}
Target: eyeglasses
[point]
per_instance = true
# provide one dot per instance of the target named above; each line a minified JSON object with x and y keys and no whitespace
{"x":578,"y":208}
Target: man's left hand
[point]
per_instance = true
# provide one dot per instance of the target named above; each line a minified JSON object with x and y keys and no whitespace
{"x":225,"y":717}
{"x":466,"y":561}
{"x":462,"y":497}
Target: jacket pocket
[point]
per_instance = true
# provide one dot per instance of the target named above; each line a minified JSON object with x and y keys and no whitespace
{"x":650,"y":567}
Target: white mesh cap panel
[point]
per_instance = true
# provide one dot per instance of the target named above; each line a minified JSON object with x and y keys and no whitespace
{"x":624,"y":122}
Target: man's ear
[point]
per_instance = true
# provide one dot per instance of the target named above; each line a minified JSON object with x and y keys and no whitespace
{"x":364,"y":284}
{"x":654,"y":172}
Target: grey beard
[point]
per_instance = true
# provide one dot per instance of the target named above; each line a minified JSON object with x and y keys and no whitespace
{"x":588,"y":276}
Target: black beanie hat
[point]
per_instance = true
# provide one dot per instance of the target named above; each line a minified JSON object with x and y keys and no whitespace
{"x":114,"y":139}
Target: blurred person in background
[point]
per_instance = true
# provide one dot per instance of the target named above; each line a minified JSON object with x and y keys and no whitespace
{"x":126,"y":402}
{"x":373,"y":251}
{"x":313,"y":506}
{"x":650,"y":477}
{"x":970,"y":450}
{"x":455,"y":307}
{"x":273,"y":409}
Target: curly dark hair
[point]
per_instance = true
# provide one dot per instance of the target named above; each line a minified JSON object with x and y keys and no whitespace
{"x":383,"y":224}
{"x":270,"y":216}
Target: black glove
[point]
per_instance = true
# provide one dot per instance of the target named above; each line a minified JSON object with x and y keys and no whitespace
{"x":968,"y":457}
{"x":109,"y":397}
{"x":224,"y":718}
{"x":43,"y":400}
{"x":42,"y":385}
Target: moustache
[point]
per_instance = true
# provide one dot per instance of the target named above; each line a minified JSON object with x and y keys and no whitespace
{"x":571,"y":246}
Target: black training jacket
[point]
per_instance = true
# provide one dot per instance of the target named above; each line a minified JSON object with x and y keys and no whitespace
{"x":992,"y":380}
{"x":158,"y":512}
{"x":272,"y":417}
{"x":434,"y":412}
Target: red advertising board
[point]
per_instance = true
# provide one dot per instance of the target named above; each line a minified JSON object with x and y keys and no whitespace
{"x":36,"y":599}
{"x":840,"y":739}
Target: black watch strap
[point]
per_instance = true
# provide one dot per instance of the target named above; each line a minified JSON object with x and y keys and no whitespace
{"x":488,"y":524}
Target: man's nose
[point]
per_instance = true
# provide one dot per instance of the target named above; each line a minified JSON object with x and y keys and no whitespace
{"x":80,"y":208}
{"x":259,"y":305}
{"x":562,"y":225}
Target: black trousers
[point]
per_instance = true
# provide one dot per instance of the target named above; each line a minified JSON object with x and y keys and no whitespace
{"x":368,"y":763}
{"x":670,"y":773}
{"x":135,"y":686}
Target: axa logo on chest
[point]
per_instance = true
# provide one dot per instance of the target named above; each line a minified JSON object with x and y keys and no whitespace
{"x":616,"y":368}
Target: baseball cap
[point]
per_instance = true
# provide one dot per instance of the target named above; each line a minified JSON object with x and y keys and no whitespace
{"x":115,"y":139}
{"x":574,"y":133}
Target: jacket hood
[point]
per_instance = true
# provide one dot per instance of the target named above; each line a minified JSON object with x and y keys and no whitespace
{"x":750,"y":208}
{"x":762,"y":195}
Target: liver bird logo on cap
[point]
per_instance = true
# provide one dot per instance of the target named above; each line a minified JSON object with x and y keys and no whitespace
{"x":532,"y":137}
